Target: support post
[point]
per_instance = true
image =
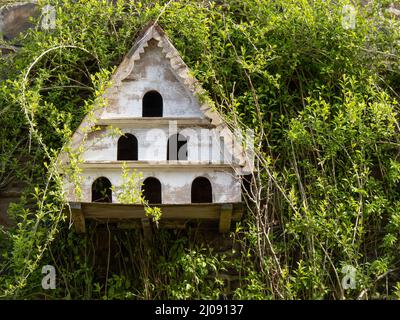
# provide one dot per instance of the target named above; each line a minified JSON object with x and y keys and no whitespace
{"x":78,"y":218}
{"x":225,"y":217}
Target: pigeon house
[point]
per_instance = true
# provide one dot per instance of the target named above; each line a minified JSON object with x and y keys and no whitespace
{"x":190,"y":162}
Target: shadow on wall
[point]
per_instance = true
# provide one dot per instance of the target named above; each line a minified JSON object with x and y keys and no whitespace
{"x":4,"y":220}
{"x":11,"y":194}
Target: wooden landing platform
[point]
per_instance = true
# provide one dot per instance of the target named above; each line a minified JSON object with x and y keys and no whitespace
{"x":173,"y":215}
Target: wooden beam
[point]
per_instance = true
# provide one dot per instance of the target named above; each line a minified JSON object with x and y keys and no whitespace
{"x":78,"y":218}
{"x":130,"y":216}
{"x":225,"y":218}
{"x":147,"y":232}
{"x":154,"y":122}
{"x":167,"y":165}
{"x":204,"y":211}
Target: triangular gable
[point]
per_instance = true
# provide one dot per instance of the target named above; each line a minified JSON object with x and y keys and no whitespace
{"x":182,"y":74}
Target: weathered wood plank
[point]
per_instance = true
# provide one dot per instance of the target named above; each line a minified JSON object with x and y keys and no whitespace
{"x":169,"y":212}
{"x":170,"y":165}
{"x":173,"y":216}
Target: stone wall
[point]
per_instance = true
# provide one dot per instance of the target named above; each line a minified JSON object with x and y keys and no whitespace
{"x":14,"y":18}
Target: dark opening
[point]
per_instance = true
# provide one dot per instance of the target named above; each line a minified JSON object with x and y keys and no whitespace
{"x":177,"y":147}
{"x":101,"y":190}
{"x":247,"y":182}
{"x":201,"y":190}
{"x":151,"y":189}
{"x":152,"y":104}
{"x":127,"y":147}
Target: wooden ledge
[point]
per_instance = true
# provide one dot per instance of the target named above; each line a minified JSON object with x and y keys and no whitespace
{"x":171,"y":213}
{"x":173,"y":164}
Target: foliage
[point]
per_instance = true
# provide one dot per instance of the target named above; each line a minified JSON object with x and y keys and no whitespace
{"x":131,"y":192}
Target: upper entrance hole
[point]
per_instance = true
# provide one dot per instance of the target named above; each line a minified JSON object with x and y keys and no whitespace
{"x":152,"y":104}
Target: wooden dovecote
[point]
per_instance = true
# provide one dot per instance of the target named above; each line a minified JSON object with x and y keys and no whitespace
{"x":189,"y":161}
